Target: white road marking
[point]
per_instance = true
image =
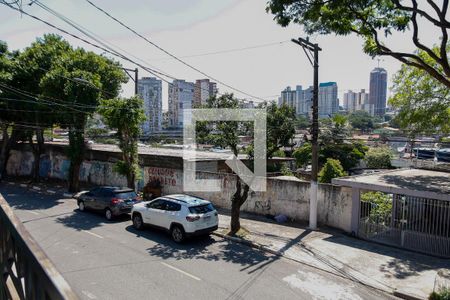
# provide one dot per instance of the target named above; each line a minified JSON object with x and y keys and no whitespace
{"x":32,"y":212}
{"x":94,"y":234}
{"x":89,"y":295}
{"x":181,"y":271}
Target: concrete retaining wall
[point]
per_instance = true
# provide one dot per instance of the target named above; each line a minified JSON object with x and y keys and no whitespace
{"x":283,"y":196}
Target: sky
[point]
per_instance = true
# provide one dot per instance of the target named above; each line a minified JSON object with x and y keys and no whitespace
{"x":187,"y":28}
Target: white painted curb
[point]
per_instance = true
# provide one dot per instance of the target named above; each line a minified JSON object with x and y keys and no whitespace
{"x":51,"y":192}
{"x":68,"y":195}
{"x":23,"y":185}
{"x":36,"y":188}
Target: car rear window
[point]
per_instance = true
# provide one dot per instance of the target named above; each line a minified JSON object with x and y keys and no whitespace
{"x":201,"y":209}
{"x":126,"y":195}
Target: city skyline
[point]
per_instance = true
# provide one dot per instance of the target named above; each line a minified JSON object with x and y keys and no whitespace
{"x":185,"y":36}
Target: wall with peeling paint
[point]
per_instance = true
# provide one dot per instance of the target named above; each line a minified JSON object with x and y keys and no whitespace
{"x":283,"y":196}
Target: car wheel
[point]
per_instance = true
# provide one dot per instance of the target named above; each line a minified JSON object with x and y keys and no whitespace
{"x":177,"y":233}
{"x":137,"y":222}
{"x":81,"y":206}
{"x":108,"y":214}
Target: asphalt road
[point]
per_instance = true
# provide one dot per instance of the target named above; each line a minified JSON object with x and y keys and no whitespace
{"x":111,"y":260}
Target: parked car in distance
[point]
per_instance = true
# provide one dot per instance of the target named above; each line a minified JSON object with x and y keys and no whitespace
{"x":110,"y":200}
{"x":181,"y":215}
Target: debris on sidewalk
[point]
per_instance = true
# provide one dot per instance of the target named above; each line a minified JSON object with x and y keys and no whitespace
{"x":281,"y":218}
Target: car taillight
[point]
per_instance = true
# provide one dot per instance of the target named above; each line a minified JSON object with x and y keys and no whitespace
{"x":115,"y":201}
{"x":192,"y":218}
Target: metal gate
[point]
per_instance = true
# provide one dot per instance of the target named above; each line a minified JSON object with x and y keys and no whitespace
{"x":419,"y":224}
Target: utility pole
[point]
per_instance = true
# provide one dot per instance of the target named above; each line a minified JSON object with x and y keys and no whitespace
{"x":309,"y":47}
{"x":135,"y":79}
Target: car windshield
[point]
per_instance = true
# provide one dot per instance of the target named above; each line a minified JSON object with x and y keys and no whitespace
{"x":126,"y":195}
{"x":201,"y":209}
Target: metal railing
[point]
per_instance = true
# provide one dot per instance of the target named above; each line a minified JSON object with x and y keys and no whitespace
{"x":26,"y":272}
{"x":420,"y":224}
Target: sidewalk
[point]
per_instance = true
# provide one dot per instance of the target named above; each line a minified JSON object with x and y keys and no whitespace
{"x":402,"y":273}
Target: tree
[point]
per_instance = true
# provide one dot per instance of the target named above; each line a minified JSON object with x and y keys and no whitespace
{"x":280,"y":126}
{"x":303,"y":155}
{"x":422,"y":101}
{"x":126,"y":115}
{"x":80,"y":79}
{"x":379,"y":158}
{"x":226,"y":135}
{"x":334,"y":142}
{"x":361,"y":119}
{"x":302,"y":122}
{"x":371,"y":20}
{"x":5,"y":76}
{"x":36,"y":112}
{"x":331,"y":169}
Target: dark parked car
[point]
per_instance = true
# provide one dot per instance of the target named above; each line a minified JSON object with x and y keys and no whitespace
{"x":111,"y":201}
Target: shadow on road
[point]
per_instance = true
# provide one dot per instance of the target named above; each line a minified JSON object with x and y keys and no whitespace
{"x":23,"y":199}
{"x":402,"y":263}
{"x":201,"y":248}
{"x":88,"y":220}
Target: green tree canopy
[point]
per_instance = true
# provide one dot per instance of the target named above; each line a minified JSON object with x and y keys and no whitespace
{"x":374,"y":21}
{"x":77,"y":82}
{"x":126,"y":115}
{"x":379,"y":158}
{"x":361,"y":119}
{"x":422,"y":101}
{"x":331,"y":169}
{"x":280,"y":126}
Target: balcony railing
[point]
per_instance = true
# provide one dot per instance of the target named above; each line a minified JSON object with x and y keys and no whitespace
{"x":26,"y":272}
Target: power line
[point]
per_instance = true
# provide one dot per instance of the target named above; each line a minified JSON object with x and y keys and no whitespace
{"x":228,"y":50}
{"x":170,"y":54}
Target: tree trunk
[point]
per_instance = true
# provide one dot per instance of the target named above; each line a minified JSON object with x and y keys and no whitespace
{"x":5,"y":141}
{"x":74,"y":177}
{"x":6,"y":148}
{"x":237,"y":201}
{"x":37,"y":151}
{"x":76,"y":155}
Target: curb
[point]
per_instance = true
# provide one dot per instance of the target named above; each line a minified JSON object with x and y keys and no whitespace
{"x":23,"y":185}
{"x":406,"y":296}
{"x":68,"y":195}
{"x":36,"y":188}
{"x":264,"y":248}
{"x":51,"y":192}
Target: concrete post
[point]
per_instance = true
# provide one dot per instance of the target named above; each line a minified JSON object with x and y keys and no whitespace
{"x":355,"y":210}
{"x":313,"y":206}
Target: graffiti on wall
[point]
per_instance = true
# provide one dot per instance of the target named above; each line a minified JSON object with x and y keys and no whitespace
{"x":164,"y":175}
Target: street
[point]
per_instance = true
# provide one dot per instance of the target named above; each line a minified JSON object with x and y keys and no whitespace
{"x":111,"y":260}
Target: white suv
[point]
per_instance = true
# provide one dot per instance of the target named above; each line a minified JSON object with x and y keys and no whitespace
{"x":181,"y":215}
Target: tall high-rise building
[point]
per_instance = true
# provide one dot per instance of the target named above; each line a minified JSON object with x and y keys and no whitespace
{"x":354,"y":101}
{"x":328,"y":99}
{"x":203,"y":90}
{"x":301,"y":100}
{"x":288,"y":97}
{"x":378,"y":90}
{"x":150,"y":89}
{"x":181,"y":96}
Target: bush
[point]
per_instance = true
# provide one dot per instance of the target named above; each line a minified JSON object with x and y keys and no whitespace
{"x":443,"y":294}
{"x":331,"y":169}
{"x":303,"y":155}
{"x":380,"y":206}
{"x":379,"y":158}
